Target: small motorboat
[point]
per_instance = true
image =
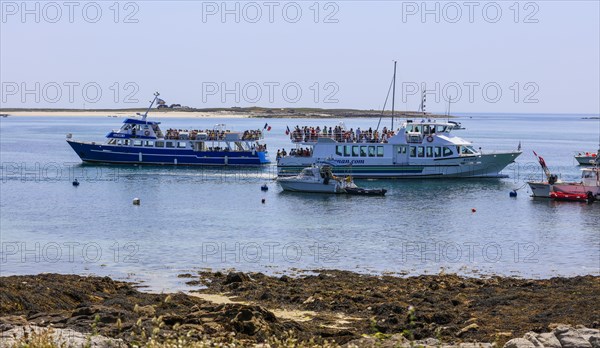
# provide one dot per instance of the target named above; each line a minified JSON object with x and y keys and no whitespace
{"x":317,"y":178}
{"x":320,"y":179}
{"x":358,"y":191}
{"x":587,"y":158}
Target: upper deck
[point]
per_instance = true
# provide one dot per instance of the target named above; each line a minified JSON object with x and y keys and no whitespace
{"x":134,"y":128}
{"x":409,"y":133}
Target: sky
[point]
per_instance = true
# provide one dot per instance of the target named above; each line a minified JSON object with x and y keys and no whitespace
{"x":474,"y":56}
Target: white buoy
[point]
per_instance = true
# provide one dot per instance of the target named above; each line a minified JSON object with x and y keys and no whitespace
{"x":136,"y":201}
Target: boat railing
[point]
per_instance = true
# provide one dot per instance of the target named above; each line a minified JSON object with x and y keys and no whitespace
{"x":211,"y":135}
{"x":340,"y":137}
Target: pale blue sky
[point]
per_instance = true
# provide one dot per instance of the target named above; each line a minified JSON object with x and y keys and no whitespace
{"x":177,"y":47}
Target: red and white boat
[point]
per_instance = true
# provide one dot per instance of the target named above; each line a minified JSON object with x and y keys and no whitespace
{"x":587,"y":189}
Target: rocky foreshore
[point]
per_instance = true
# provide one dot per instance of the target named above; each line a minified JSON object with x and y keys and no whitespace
{"x":331,"y":308}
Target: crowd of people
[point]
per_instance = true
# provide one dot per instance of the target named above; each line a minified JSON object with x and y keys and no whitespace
{"x":184,"y":134}
{"x":339,"y":134}
{"x":300,"y":152}
{"x":252,"y":135}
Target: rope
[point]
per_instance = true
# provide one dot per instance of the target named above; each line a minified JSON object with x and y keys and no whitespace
{"x":517,"y":189}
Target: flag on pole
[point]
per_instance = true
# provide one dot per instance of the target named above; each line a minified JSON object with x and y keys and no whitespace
{"x":266,"y":125}
{"x":160,"y":101}
{"x":519,"y":147}
{"x":287,"y":130}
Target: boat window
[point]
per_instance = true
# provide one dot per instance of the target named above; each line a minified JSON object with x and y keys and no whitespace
{"x":426,"y":129}
{"x":447,"y":151}
{"x":137,"y":143}
{"x":469,"y":149}
{"x":159,"y":144}
{"x":417,"y":129}
{"x":429,"y":151}
{"x":371,"y":151}
{"x":363,"y":151}
{"x":413,"y":151}
{"x":170,"y":144}
{"x":119,"y":142}
{"x":440,"y":129}
{"x":409,"y":128}
{"x":112,"y":141}
{"x":379,"y":151}
{"x":126,"y":142}
{"x":355,"y":151}
{"x":149,"y":143}
{"x":181,"y":144}
{"x":420,"y":151}
{"x":339,"y":150}
{"x":437,"y":152}
{"x":347,"y":150}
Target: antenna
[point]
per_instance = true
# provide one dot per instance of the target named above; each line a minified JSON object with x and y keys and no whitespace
{"x":449,"y":103}
{"x":394,"y":95}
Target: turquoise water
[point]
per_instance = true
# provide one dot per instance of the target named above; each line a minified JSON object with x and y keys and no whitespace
{"x":194,"y":218}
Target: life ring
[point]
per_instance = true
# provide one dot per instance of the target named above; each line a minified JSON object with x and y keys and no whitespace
{"x":147,"y":133}
{"x":429,"y":139}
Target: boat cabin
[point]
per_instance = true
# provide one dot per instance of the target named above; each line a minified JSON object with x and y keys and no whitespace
{"x":141,"y":133}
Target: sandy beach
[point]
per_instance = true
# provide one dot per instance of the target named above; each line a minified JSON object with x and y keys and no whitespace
{"x":154,"y":114}
{"x":214,"y":113}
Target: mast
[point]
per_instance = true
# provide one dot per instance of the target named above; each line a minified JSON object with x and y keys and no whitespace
{"x":449,"y":103}
{"x":156,"y":94}
{"x":393,"y":95}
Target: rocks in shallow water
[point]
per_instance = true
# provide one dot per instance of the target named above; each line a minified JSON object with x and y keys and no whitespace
{"x":571,"y":338}
{"x":236,"y":277}
{"x":60,"y":337}
{"x":519,"y":343}
{"x":548,"y":340}
{"x":561,"y":337}
{"x":468,"y":328}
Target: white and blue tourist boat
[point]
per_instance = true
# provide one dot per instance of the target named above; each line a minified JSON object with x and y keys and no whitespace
{"x":140,"y":141}
{"x":425,"y":149}
{"x":417,"y":149}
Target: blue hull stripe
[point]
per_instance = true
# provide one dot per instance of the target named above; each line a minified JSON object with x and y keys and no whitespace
{"x":107,"y":154}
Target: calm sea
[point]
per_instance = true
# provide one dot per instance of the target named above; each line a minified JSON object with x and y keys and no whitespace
{"x":196,"y":218}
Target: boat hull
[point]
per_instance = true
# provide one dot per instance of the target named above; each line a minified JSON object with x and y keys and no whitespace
{"x":111,"y":154}
{"x":586,"y":160}
{"x":312,"y":187}
{"x":576,"y":188}
{"x":481,"y":166}
{"x":540,"y":189}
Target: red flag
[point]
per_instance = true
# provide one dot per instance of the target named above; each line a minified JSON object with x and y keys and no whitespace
{"x":268,"y":128}
{"x":287,"y":130}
